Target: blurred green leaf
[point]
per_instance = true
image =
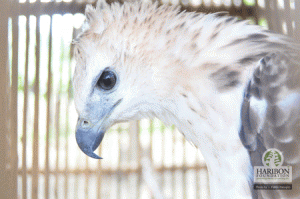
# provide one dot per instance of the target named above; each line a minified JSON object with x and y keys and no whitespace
{"x":249,"y":2}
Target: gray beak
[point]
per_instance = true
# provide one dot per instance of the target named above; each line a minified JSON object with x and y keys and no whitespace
{"x":89,"y":136}
{"x":88,"y":139}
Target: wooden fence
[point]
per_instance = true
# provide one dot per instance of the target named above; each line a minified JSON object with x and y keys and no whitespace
{"x":39,"y":155}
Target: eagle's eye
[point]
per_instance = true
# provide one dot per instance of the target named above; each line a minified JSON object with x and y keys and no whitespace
{"x":107,"y":80}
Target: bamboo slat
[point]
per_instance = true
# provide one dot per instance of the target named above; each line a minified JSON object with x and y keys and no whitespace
{"x":119,"y":177}
{"x":151,"y":140}
{"x":163,"y":143}
{"x":139,"y":178}
{"x":86,"y":180}
{"x":184,"y":179}
{"x":256,"y":14}
{"x":57,"y":131}
{"x":25,"y":110}
{"x":67,"y":129}
{"x":4,"y":175}
{"x":99,"y":175}
{"x":297,"y":20}
{"x":35,"y":158}
{"x":49,"y":94}
{"x":276,"y":20}
{"x":135,"y":150}
{"x":173,"y":160}
{"x":14,"y":101}
{"x":269,"y":15}
{"x":288,"y":18}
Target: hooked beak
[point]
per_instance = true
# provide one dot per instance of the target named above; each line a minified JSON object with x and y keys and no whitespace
{"x":89,"y":136}
{"x":88,"y":139}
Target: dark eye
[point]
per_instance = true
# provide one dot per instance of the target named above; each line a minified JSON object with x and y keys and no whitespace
{"x":107,"y":80}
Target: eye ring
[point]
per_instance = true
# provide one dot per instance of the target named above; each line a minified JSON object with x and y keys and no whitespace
{"x":107,"y":80}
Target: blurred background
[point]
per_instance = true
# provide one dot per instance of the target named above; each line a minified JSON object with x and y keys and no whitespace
{"x":39,"y":155}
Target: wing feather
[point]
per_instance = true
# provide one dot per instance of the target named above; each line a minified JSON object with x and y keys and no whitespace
{"x":270,"y":117}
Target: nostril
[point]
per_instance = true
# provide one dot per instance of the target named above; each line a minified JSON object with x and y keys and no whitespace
{"x":85,"y":123}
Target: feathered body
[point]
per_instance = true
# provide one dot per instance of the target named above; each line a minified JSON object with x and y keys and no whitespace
{"x":191,"y":70}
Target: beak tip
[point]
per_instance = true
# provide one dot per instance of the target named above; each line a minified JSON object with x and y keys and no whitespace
{"x":95,"y":156}
{"x":88,"y":141}
{"x":90,"y":153}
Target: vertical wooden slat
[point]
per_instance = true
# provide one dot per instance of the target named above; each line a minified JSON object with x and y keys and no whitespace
{"x":4,"y":173}
{"x":198,"y":176}
{"x":243,"y":7}
{"x":135,"y":148}
{"x":138,"y":130}
{"x":173,"y":159}
{"x":49,"y":94}
{"x":85,"y":176}
{"x":151,"y":139}
{"x":119,"y":176}
{"x":57,"y":119}
{"x":76,"y":185}
{"x":99,"y":176}
{"x":297,"y":20}
{"x":288,"y":18}
{"x":163,"y":142}
{"x":184,"y":165}
{"x":35,"y":161}
{"x":14,"y":101}
{"x":274,"y":21}
{"x":25,"y":110}
{"x":86,"y":180}
{"x":197,"y":180}
{"x":268,"y":12}
{"x":67,"y":127}
{"x":256,"y":13}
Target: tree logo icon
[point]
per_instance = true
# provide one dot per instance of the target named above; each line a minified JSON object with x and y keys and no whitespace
{"x":272,"y":158}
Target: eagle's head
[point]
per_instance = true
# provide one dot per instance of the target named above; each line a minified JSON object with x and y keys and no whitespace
{"x":139,"y":60}
{"x":122,"y":71}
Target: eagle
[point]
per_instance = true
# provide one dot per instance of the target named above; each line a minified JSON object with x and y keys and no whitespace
{"x":230,"y":87}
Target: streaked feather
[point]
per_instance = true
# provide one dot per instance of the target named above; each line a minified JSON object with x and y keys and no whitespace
{"x":192,"y":70}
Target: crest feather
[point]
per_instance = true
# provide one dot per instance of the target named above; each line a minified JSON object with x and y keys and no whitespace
{"x":101,"y":4}
{"x":89,"y":13}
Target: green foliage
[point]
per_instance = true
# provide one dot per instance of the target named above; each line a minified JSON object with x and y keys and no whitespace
{"x":249,"y":2}
{"x":263,"y":22}
{"x":20,"y":83}
{"x":251,"y":20}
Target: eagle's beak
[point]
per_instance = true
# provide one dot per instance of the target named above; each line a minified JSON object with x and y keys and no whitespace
{"x":89,"y":138}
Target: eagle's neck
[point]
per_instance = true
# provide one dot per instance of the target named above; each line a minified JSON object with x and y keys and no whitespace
{"x":213,"y":127}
